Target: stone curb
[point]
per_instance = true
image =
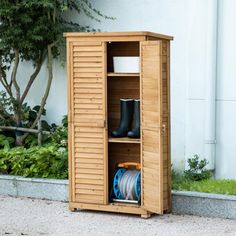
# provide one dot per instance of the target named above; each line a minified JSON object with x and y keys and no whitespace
{"x":183,"y":202}
{"x":50,"y":189}
{"x":204,"y":204}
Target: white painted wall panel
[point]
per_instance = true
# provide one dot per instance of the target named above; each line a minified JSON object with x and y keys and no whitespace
{"x":226,"y":140}
{"x":226,"y":82}
{"x":194,"y":143}
{"x":226,"y":92}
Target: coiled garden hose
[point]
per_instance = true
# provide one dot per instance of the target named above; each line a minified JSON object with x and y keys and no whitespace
{"x":126,"y":184}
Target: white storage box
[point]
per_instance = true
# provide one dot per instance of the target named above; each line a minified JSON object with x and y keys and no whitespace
{"x":126,"y":64}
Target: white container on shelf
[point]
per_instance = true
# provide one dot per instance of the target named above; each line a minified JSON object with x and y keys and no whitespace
{"x":126,"y":64}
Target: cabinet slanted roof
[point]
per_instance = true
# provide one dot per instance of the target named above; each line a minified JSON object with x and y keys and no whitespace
{"x":118,"y":34}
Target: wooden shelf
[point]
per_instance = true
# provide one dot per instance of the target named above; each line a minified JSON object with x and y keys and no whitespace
{"x":136,"y":205}
{"x":123,"y":140}
{"x":111,"y":74}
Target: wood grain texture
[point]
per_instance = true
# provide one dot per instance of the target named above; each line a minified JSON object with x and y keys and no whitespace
{"x":168,"y":140}
{"x":121,"y":152}
{"x":94,"y":92}
{"x":70,"y":124}
{"x":111,"y":74}
{"x":123,"y":87}
{"x":123,"y":140}
{"x":151,"y":109}
{"x":119,"y":34}
{"x":112,"y":207}
{"x":120,"y":49}
{"x":88,"y":109}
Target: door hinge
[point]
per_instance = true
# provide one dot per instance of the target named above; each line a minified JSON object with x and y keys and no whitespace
{"x":163,"y":129}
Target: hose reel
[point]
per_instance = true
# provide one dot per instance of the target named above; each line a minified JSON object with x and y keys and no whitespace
{"x":126,"y":182}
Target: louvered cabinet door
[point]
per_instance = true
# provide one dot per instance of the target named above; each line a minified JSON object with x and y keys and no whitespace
{"x":151,"y":121}
{"x":88,"y":141}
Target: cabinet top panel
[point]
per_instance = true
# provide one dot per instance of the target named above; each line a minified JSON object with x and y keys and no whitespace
{"x":148,"y":35}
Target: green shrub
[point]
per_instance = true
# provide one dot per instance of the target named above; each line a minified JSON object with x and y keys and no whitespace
{"x":59,"y":134}
{"x":6,"y":142}
{"x":197,"y":169}
{"x":48,"y":161}
{"x":197,"y":178}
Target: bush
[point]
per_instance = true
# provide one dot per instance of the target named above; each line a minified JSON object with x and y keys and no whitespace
{"x":48,"y":161}
{"x":197,"y":178}
{"x":6,"y":142}
{"x":197,"y":169}
{"x":59,"y":134}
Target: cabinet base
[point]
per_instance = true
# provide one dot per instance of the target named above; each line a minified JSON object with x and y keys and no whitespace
{"x":112,"y":207}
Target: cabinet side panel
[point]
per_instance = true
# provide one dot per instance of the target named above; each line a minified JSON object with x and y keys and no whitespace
{"x":88,"y":130}
{"x":166,"y":125}
{"x":70,"y":116}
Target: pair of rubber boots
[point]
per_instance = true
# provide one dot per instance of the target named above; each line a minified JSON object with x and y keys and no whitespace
{"x":128,"y":109}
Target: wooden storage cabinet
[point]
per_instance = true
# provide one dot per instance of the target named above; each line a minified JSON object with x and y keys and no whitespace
{"x":94,"y":91}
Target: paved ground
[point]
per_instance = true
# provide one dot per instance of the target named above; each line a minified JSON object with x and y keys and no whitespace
{"x":22,"y":216}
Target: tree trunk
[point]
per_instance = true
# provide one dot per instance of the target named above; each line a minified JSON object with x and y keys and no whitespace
{"x":46,"y":93}
{"x":19,"y":141}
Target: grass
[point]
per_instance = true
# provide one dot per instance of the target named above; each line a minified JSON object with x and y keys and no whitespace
{"x":208,"y":186}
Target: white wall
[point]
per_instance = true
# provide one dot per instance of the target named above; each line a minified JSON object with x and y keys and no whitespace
{"x":56,"y":105}
{"x":186,"y":21}
{"x":226,"y":92}
{"x":226,"y":96}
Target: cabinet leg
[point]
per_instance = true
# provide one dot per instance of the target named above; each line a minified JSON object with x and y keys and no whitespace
{"x":72,"y":209}
{"x":146,"y":216}
{"x":168,"y":211}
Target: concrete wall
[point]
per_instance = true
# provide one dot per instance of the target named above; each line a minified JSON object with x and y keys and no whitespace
{"x":186,"y":21}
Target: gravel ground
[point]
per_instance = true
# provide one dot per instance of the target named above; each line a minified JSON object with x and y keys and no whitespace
{"x":22,"y":216}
